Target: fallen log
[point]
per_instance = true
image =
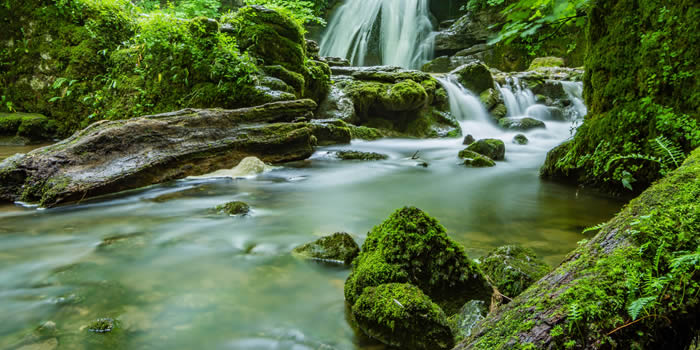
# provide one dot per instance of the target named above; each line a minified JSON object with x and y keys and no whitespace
{"x":635,"y":285}
{"x":112,"y":156}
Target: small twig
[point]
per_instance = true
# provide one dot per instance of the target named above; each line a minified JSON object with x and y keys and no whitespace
{"x":633,"y":322}
{"x":415,"y":155}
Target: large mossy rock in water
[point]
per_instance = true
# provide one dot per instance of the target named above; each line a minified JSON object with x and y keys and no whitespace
{"x":412,"y":247}
{"x":398,"y":102}
{"x":492,"y":148}
{"x":112,"y":156}
{"x":475,"y":76}
{"x":338,"y":247}
{"x":635,"y":92}
{"x":401,"y":315}
{"x":513,"y":268}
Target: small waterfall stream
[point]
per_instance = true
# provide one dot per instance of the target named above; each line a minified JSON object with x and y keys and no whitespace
{"x":387,"y":32}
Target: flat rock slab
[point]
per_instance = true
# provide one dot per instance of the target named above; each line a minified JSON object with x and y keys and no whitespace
{"x":112,"y":156}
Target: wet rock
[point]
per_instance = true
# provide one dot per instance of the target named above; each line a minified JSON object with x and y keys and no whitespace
{"x":468,"y":140}
{"x":336,"y":105}
{"x":234,"y":208}
{"x":401,"y":315}
{"x":465,"y":320}
{"x":101,"y":325}
{"x":357,"y":155}
{"x":521,"y":123}
{"x":336,"y":61}
{"x":492,"y":148}
{"x":548,"y":87}
{"x":338,"y":247}
{"x":365,"y":133}
{"x":476,"y":160}
{"x":491,"y":98}
{"x":112,"y":156}
{"x":475,"y":76}
{"x":312,"y":49}
{"x":412,"y":247}
{"x":520,"y":139}
{"x":498,"y":112}
{"x":331,"y":132}
{"x":541,"y":62}
{"x":471,"y":29}
{"x":513,"y":268}
{"x":555,"y":113}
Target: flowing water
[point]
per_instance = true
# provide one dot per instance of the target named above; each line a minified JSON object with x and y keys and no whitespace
{"x":387,"y":32}
{"x":176,"y":275}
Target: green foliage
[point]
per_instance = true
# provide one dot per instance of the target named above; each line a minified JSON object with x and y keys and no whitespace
{"x":303,"y":11}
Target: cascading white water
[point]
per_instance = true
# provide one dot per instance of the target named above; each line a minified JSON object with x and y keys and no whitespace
{"x":400,"y":31}
{"x":575,"y":92}
{"x":463,"y":104}
{"x":517,"y":99}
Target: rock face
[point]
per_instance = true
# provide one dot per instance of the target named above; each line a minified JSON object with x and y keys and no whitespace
{"x":112,"y":156}
{"x":492,"y":148}
{"x":513,"y":268}
{"x":401,"y":315}
{"x":338,"y":247}
{"x":475,"y":76}
{"x":411,"y":247}
{"x":398,"y":102}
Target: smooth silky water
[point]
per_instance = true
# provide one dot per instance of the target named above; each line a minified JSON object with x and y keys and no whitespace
{"x":178,"y":276}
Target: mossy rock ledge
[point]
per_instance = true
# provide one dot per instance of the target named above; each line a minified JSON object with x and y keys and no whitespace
{"x":338,"y":247}
{"x":397,"y":102}
{"x":112,"y":156}
{"x":513,"y":268}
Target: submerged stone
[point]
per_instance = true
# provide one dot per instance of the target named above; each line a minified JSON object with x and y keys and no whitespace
{"x":520,"y":139}
{"x":412,"y":247}
{"x":524,"y":124}
{"x":357,"y":155}
{"x":492,"y":148}
{"x":465,"y":320}
{"x":337,"y":247}
{"x":476,"y":160}
{"x":401,"y":315}
{"x":234,"y":208}
{"x":101,"y":325}
{"x":513,"y":268}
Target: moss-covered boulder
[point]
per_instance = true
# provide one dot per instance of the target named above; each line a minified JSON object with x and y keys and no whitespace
{"x":466,"y":319}
{"x":338,"y":247}
{"x":32,"y":127}
{"x":468,"y":140}
{"x":520,"y":139}
{"x":546,"y":62}
{"x":412,"y":247}
{"x":234,"y":208}
{"x":513,"y":268}
{"x":357,"y":155}
{"x":521,"y":123}
{"x":395,"y":101}
{"x":475,"y":76}
{"x":475,"y":160}
{"x":492,"y":148}
{"x":331,"y":132}
{"x":401,"y":315}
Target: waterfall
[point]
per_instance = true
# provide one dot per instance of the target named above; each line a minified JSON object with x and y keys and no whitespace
{"x":388,"y":32}
{"x":517,"y":99}
{"x":574,"y":90}
{"x":463,"y":104}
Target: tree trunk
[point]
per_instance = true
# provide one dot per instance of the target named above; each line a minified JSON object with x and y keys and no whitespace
{"x":634,"y":285}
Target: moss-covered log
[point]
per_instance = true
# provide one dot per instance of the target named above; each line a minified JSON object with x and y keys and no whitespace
{"x":635,"y":285}
{"x":112,"y":156}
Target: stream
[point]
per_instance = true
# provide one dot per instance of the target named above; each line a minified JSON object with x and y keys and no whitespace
{"x":173,"y":274}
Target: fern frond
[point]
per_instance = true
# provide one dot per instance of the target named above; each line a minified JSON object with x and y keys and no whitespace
{"x":636,"y":306}
{"x":594,"y":228}
{"x":633,"y":156}
{"x":669,"y":153}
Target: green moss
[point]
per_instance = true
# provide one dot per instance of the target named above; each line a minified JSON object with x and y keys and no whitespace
{"x":411,"y":247}
{"x":476,"y":160}
{"x":356,"y":155}
{"x":640,"y":83}
{"x":546,"y":62}
{"x":337,"y":247}
{"x":234,"y":208}
{"x":642,"y":266}
{"x":365,"y":133}
{"x":492,"y":148}
{"x":475,"y":76}
{"x":513,"y":268}
{"x":403,"y":316}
